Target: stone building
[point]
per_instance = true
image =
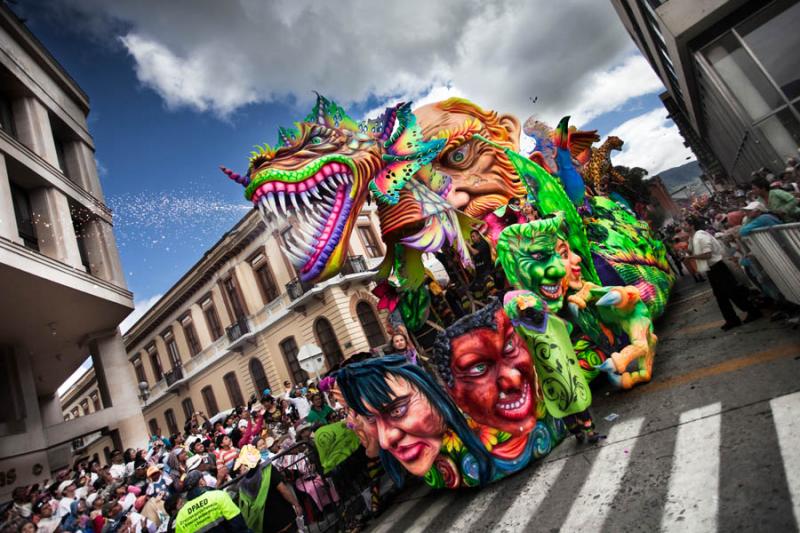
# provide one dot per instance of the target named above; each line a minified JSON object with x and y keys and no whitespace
{"x":234,"y":323}
{"x":731,"y":73}
{"x":62,"y":285}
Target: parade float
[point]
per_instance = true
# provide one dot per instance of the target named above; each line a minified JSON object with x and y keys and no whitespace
{"x":506,"y":355}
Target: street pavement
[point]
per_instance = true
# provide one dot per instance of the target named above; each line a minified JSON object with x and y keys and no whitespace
{"x":711,"y":444}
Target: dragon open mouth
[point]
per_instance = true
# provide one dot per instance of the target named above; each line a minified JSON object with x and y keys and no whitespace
{"x":320,"y":197}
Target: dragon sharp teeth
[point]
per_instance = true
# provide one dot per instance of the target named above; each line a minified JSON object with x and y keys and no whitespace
{"x":272,"y":206}
{"x":282,"y":200}
{"x":304,"y":196}
{"x":293,"y":197}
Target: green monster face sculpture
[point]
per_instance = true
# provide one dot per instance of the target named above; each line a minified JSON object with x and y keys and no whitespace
{"x":528,"y":254}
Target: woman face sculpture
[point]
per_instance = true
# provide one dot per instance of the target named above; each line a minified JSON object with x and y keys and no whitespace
{"x":493,"y":377}
{"x":409,"y":427}
{"x":572,"y":265}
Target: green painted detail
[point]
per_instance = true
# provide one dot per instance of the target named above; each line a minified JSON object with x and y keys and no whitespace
{"x":295,"y":176}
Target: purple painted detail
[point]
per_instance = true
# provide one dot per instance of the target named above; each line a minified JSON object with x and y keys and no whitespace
{"x":606,"y":272}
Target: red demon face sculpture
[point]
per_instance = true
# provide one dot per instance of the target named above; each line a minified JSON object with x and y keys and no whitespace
{"x":491,"y":370}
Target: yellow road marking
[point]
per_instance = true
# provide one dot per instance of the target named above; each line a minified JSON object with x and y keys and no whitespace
{"x":692,"y":297}
{"x":688,"y":330}
{"x":731,"y":365}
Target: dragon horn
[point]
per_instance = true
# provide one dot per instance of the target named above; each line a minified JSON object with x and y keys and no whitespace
{"x":561,"y":133}
{"x":234,"y":176}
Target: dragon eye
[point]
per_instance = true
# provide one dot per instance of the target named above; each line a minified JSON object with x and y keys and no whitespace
{"x":316,"y":139}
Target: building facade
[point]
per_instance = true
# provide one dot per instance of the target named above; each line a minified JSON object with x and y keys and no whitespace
{"x":732,"y":76}
{"x":234,"y":324}
{"x":61,"y":281}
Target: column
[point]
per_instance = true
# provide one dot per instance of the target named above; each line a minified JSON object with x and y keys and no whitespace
{"x":82,"y":167}
{"x":102,"y":251}
{"x":33,"y":128}
{"x":8,"y":218}
{"x":118,"y":389}
{"x":50,"y":410}
{"x":54,"y":226}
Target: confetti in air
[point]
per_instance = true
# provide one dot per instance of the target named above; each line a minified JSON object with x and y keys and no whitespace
{"x":159,"y":220}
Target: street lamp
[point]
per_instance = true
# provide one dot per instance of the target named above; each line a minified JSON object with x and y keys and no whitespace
{"x":144,"y":391}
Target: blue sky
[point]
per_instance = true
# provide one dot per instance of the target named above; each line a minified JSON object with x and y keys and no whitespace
{"x":159,"y":147}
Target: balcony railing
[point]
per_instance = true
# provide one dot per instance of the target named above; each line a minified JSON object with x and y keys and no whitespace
{"x":296,"y":288}
{"x":174,"y":375}
{"x":353,"y":265}
{"x":237,"y":329}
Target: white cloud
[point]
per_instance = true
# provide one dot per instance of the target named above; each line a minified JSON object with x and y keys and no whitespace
{"x":140,"y":308}
{"x":652,"y":141}
{"x":219,"y":56}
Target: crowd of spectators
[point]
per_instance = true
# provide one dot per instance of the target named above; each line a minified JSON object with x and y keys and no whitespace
{"x":174,"y":482}
{"x":707,"y":242}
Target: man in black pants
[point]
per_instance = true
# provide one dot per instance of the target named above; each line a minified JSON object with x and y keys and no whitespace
{"x":708,"y":252}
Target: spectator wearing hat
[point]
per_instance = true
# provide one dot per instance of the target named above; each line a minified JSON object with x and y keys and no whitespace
{"x":158,"y":482}
{"x":757,"y":217}
{"x":47,"y":521}
{"x":66,"y":491}
{"x":267,"y":503}
{"x":207,"y":510}
{"x":708,"y":252}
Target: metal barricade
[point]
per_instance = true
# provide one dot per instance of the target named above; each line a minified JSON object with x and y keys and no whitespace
{"x":777,"y":250}
{"x":330,"y":502}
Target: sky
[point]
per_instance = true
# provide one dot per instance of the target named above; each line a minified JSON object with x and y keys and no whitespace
{"x":178,"y":88}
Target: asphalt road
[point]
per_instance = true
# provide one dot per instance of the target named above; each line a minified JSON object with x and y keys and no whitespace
{"x":711,"y":444}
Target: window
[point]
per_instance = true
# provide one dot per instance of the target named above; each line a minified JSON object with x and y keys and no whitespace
{"x":172,"y":349}
{"x":773,"y":39}
{"x":172,"y":424}
{"x":212,"y":318}
{"x":153,"y":426}
{"x":141,"y":377}
{"x":60,"y":151}
{"x":191,"y":335}
{"x":263,"y":273}
{"x":232,"y":293}
{"x":328,"y":342}
{"x":96,"y":401}
{"x":210,"y":400}
{"x":260,"y":381}
{"x":289,"y":351}
{"x":155,"y":362}
{"x":6,"y":116}
{"x":370,"y":242}
{"x":75,"y":412}
{"x":188,"y":408}
{"x":22,"y":210}
{"x":79,"y":219}
{"x":85,"y":406}
{"x":234,"y":392}
{"x":370,"y":324}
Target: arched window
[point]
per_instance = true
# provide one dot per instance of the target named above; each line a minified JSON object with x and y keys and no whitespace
{"x":153,"y":426}
{"x":289,"y":350}
{"x":328,"y":342}
{"x":210,"y":400}
{"x":260,"y":381}
{"x":234,"y":392}
{"x":172,"y":424}
{"x":369,"y":322}
{"x":188,"y":408}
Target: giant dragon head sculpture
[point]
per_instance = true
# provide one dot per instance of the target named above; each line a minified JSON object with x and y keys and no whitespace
{"x":320,"y":173}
